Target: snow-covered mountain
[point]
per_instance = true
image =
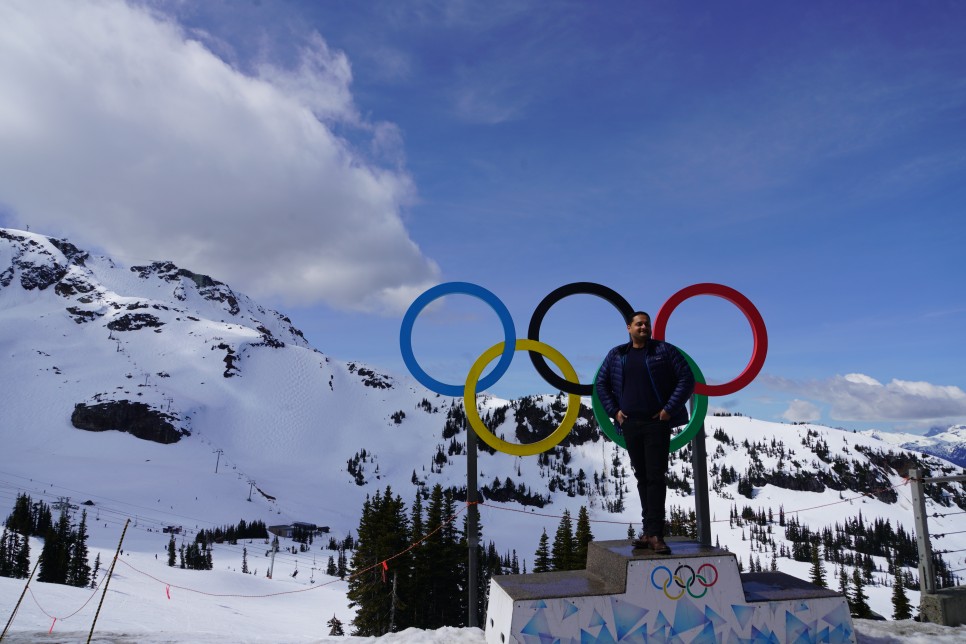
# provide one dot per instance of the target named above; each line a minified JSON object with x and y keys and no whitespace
{"x":948,"y":443}
{"x":202,"y":377}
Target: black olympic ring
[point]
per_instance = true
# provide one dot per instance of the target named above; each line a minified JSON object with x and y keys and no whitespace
{"x":533,"y":333}
{"x":677,"y":579}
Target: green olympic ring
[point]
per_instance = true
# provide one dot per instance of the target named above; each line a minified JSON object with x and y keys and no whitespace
{"x":678,"y":441}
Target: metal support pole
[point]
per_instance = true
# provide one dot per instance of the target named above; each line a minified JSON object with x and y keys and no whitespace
{"x":927,"y":576}
{"x":107,"y":581}
{"x":271,"y":565}
{"x":702,"y":506}
{"x":26,"y":586}
{"x":472,"y":524}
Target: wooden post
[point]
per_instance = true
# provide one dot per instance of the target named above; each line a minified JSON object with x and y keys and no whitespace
{"x":927,"y":576}
{"x":107,"y":581}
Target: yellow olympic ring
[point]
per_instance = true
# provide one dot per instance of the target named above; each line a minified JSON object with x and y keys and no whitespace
{"x":473,"y":416}
{"x":668,"y":585}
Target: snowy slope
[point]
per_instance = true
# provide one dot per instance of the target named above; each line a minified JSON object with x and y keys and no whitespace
{"x":948,"y":443}
{"x":285,"y":420}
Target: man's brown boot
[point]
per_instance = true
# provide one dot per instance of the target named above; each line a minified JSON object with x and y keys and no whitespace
{"x":641,"y":542}
{"x":657,"y":544}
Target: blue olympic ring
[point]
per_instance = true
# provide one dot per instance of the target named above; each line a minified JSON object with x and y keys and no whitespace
{"x":464,"y":288}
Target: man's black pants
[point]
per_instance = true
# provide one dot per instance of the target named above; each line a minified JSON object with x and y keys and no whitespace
{"x":648,"y":442}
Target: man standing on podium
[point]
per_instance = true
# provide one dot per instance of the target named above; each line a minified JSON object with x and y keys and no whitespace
{"x":644,"y":385}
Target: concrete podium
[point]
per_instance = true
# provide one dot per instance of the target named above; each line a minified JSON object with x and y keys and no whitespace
{"x":693,"y":596}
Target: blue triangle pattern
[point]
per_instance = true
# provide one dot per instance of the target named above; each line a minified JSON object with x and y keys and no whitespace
{"x":605,"y":637}
{"x":542,"y":638}
{"x":637,"y":637}
{"x":839,"y":616}
{"x":794,"y":627}
{"x":538,"y":625}
{"x":763,"y":637}
{"x":570,"y":609}
{"x":688,"y":616}
{"x":839,"y":635}
{"x":804,"y":638}
{"x":734,"y":638}
{"x":714,"y":617}
{"x":626,"y":616}
{"x":661,"y":621}
{"x":596,"y":620}
{"x":658,"y":636}
{"x":802,"y":607}
{"x":823,"y":635}
{"x":743,"y":614}
{"x":706,"y":636}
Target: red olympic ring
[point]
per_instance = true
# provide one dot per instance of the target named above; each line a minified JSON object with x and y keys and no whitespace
{"x":700,"y":578}
{"x":759,"y":350}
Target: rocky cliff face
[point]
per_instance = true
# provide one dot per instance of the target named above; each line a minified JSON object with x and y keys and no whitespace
{"x":137,"y":419}
{"x":187,"y":313}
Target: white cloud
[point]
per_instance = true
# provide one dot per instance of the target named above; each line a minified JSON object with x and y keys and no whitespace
{"x":802,"y":411}
{"x":118,"y":131}
{"x":858,"y":397}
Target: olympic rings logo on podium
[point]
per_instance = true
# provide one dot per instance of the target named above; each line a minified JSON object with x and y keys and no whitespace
{"x":570,"y":383}
{"x":685,"y":585}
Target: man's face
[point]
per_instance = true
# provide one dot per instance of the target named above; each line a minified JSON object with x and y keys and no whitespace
{"x":640,"y":329}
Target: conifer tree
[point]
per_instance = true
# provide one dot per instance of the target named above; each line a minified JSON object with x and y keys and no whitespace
{"x":844,"y":586}
{"x":330,"y":568}
{"x":245,"y":560}
{"x":901,"y":608}
{"x":21,"y":559}
{"x":97,"y":569}
{"x":422,"y":568}
{"x":383,"y":532}
{"x":56,"y":553}
{"x":6,"y":555}
{"x":817,"y":575}
{"x":860,"y":601}
{"x":79,"y":570}
{"x":562,"y":551}
{"x":172,"y":551}
{"x":583,"y":536}
{"x":21,"y":519}
{"x":342,"y":564}
{"x":335,"y":627}
{"x":449,"y":567}
{"x":542,"y":561}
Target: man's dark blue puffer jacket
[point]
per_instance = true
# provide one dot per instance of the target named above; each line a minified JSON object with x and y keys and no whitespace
{"x":670,"y":375}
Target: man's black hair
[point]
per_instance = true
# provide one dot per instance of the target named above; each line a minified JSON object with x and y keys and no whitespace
{"x":636,"y":313}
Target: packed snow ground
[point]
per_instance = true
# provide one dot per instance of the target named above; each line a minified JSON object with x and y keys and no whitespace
{"x":138,"y":610}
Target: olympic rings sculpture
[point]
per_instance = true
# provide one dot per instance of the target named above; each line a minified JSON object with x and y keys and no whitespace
{"x":685,"y":585}
{"x":570,"y":384}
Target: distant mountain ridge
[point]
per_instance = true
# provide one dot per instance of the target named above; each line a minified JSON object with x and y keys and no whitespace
{"x":318,"y":436}
{"x":948,"y":443}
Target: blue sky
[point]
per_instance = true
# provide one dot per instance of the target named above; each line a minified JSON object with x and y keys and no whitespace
{"x":334,"y":159}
